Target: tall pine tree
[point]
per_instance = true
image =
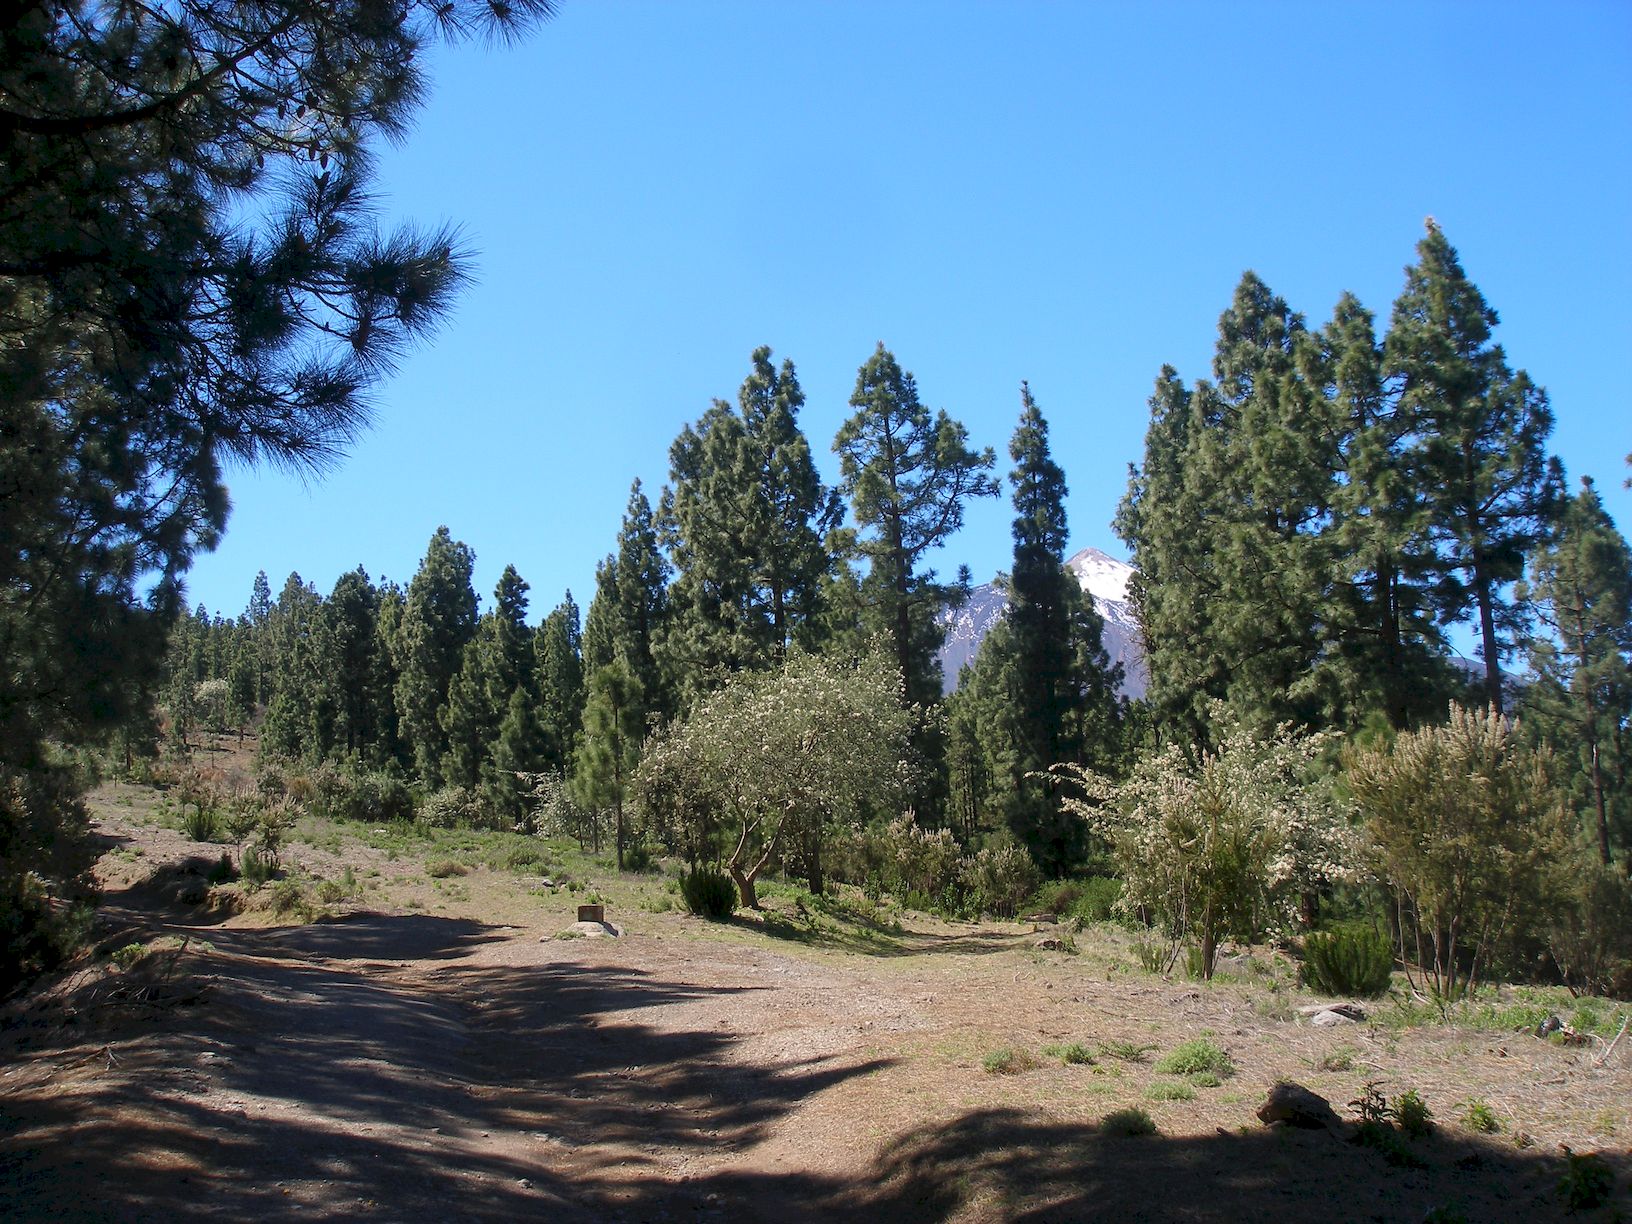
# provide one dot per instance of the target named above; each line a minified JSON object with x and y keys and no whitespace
{"x":438,"y":620}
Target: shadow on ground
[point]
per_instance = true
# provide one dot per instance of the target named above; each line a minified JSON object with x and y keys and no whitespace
{"x":314,"y":1079}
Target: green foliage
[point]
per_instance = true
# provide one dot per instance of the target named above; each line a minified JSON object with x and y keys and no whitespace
{"x":257,"y":866}
{"x":363,"y":795}
{"x":127,"y":957}
{"x":1354,"y":961}
{"x":998,"y":879}
{"x":611,"y":746}
{"x":202,"y":824}
{"x":1464,"y":825}
{"x":1170,"y":1090}
{"x":443,"y":869}
{"x":1125,"y":1051}
{"x":1222,"y":844}
{"x":1412,"y":1114}
{"x":1128,"y":1123}
{"x":1478,"y":1116}
{"x":1587,"y":1183}
{"x":1009,"y":1061}
{"x":907,"y":476}
{"x":1073,"y":1055}
{"x":778,"y":757}
{"x":437,"y":622}
{"x":456,"y":807}
{"x":1196,"y":1056}
{"x":709,"y":893}
{"x":1580,"y":590}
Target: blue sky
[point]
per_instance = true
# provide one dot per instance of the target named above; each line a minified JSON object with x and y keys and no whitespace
{"x":1065,"y":193}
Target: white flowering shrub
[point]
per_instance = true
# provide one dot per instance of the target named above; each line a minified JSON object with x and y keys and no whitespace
{"x":1219,"y":844}
{"x":779,"y":758}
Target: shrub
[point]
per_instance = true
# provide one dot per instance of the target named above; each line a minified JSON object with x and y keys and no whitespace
{"x":1465,"y":827}
{"x":1219,"y":845}
{"x":127,"y":956}
{"x":1009,"y":1061}
{"x":221,"y":872}
{"x":1587,"y":1183}
{"x":999,"y":879}
{"x":1479,"y":1116}
{"x":1074,"y":1055}
{"x":1128,"y":1123}
{"x":257,"y":866}
{"x":1413,"y":1114}
{"x":202,"y":824}
{"x":1127,"y":1051}
{"x":1195,"y":1056}
{"x":1356,"y":961}
{"x":1097,"y":901}
{"x":364,"y":796}
{"x":455,"y":807}
{"x":709,"y":893}
{"x":442,"y":869}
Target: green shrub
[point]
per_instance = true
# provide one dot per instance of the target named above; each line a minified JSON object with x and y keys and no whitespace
{"x":127,"y":956}
{"x":442,"y":869}
{"x":1479,"y":1116}
{"x":709,"y":893}
{"x":1195,"y":1057}
{"x":257,"y":866}
{"x":1127,"y":1051}
{"x":201,"y":823}
{"x":1154,"y":956}
{"x":1097,"y":901}
{"x":1413,"y":1114}
{"x":1588,"y":1181}
{"x":1009,"y":1061}
{"x":998,"y":879}
{"x":222,"y":871}
{"x":1129,"y":1123}
{"x":1354,"y":961}
{"x":1074,"y":1055}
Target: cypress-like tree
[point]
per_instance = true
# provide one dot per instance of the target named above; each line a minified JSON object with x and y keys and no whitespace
{"x":907,"y":476}
{"x":348,"y":647}
{"x":437,"y":621}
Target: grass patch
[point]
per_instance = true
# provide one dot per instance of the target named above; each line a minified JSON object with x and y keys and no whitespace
{"x":1196,"y":1057}
{"x":1478,"y":1116}
{"x":1009,"y":1061}
{"x":1073,"y":1055}
{"x":443,"y":869}
{"x":1128,"y":1123}
{"x":1170,"y":1090}
{"x":1126,"y":1051}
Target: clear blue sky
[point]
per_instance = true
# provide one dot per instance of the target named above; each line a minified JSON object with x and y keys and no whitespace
{"x":1065,"y":193}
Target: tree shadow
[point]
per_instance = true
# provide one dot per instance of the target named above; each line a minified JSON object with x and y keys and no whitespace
{"x":298,"y":1085}
{"x":1007,"y":1164}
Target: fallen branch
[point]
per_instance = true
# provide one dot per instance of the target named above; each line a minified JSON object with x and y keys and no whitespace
{"x":1604,"y":1057}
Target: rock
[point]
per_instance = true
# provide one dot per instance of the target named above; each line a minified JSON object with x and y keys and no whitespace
{"x":1549,"y":1026}
{"x":1349,"y":1011}
{"x":1295,"y":1105}
{"x":1050,"y":943}
{"x":193,"y":892}
{"x":1330,"y":1019}
{"x":585,"y":930}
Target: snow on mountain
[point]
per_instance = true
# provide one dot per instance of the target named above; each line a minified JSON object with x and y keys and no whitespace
{"x":1102,"y":576}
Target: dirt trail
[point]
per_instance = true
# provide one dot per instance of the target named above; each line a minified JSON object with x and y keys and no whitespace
{"x":405,"y":1066}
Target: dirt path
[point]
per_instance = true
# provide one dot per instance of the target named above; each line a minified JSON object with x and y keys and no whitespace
{"x":406,"y":1066}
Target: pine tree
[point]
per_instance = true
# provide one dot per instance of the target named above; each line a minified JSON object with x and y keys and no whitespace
{"x":744,"y":521}
{"x":560,"y":682}
{"x":630,"y":610}
{"x":907,"y":476}
{"x":614,"y":728}
{"x":289,"y":729}
{"x":1580,"y":588}
{"x":520,"y":749}
{"x":437,"y":621}
{"x":468,"y":723}
{"x":347,"y":649}
{"x":1479,"y":433}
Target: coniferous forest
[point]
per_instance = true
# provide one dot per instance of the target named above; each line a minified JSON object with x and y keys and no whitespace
{"x":1379,"y":748}
{"x":1312,"y":527}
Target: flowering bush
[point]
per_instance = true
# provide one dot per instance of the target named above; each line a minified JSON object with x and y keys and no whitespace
{"x":1219,"y":844}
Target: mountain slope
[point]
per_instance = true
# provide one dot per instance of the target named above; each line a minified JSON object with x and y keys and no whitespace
{"x":1102,"y":576}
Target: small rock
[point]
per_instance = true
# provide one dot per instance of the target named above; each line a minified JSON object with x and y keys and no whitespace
{"x":1549,"y":1026}
{"x":1328,"y":1019}
{"x":1050,"y":943}
{"x":1295,"y":1105}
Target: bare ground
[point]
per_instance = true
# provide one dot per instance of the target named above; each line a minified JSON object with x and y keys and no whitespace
{"x":398,"y":1064}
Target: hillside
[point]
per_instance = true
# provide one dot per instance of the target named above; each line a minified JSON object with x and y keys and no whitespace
{"x":1101,"y":575}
